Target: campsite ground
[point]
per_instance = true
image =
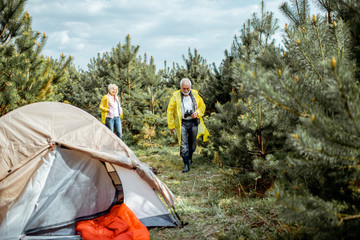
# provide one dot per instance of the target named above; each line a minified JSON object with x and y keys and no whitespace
{"x":204,"y":202}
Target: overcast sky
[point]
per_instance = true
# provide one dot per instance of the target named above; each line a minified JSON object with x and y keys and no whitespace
{"x":164,"y":29}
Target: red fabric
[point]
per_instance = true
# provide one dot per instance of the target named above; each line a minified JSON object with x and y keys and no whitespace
{"x":119,"y":223}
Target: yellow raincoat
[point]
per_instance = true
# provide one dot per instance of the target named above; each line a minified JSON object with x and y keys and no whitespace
{"x":174,"y":115}
{"x":104,"y":107}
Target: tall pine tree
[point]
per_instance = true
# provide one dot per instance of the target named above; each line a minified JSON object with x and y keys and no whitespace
{"x":25,"y":75}
{"x":195,"y":68}
{"x":246,"y":131}
{"x":315,"y":81}
{"x":122,"y":69}
{"x":297,"y":11}
{"x":118,"y":66}
{"x":151,"y":98}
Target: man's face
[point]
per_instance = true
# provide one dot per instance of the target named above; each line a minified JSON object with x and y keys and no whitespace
{"x":185,"y":87}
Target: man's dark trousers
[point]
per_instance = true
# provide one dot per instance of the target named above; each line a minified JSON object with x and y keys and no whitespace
{"x":189,"y":130}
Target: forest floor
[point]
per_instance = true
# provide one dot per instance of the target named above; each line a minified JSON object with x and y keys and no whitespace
{"x":206,"y":205}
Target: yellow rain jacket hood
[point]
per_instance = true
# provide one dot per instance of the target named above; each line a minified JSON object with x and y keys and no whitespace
{"x":174,"y":114}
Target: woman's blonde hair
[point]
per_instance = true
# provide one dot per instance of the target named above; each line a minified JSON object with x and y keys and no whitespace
{"x":111,"y":86}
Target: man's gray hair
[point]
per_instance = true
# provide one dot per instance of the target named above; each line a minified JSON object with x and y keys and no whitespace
{"x":185,"y":80}
{"x":111,"y":86}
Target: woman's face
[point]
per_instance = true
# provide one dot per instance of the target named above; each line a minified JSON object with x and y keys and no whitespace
{"x":113,"y":91}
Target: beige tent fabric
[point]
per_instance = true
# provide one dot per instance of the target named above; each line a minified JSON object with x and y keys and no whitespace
{"x":12,"y":186}
{"x":30,"y":130}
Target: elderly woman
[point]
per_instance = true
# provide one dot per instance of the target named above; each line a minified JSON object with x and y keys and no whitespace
{"x":111,"y":110}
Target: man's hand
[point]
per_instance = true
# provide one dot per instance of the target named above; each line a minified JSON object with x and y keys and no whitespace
{"x":194,"y":115}
{"x":172,"y":130}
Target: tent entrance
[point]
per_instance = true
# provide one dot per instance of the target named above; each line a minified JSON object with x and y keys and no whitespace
{"x":143,"y":200}
{"x":116,"y":181}
{"x":140,"y":197}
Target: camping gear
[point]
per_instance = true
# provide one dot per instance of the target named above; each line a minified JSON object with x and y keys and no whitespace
{"x":60,"y":165}
{"x":119,"y":223}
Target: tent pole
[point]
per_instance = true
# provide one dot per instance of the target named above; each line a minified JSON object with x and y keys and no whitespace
{"x":178,"y":220}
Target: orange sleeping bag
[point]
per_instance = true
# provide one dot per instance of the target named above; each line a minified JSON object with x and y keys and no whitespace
{"x":119,"y":223}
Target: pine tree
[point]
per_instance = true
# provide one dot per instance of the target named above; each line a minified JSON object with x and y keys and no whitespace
{"x":220,"y":84}
{"x":151,"y":100}
{"x":246,"y":131}
{"x":195,"y":68}
{"x":118,"y":66}
{"x":318,"y":187}
{"x":11,"y":14}
{"x":152,"y":83}
{"x":328,"y":6}
{"x":122,"y":70}
{"x":73,"y":91}
{"x":141,"y":91}
{"x":255,"y":37}
{"x":297,"y":12}
{"x":348,"y":11}
{"x":26,"y":76}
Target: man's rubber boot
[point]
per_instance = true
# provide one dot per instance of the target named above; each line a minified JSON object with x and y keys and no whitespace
{"x":190,"y":159}
{"x":186,"y":168}
{"x":186,"y":165}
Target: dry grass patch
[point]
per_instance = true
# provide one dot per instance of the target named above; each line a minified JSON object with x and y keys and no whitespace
{"x":207,"y":207}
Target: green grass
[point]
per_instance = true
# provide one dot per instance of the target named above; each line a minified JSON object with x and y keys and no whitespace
{"x":204,"y":202}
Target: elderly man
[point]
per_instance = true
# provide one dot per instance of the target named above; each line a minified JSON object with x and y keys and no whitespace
{"x":184,"y":114}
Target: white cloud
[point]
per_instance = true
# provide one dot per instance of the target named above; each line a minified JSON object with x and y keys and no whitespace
{"x":163,"y":29}
{"x":174,"y":42}
{"x":81,"y":29}
{"x":95,"y":7}
{"x":60,"y":37}
{"x":144,"y":26}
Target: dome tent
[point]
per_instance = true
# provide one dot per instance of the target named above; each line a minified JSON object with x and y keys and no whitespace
{"x":59,"y":165}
